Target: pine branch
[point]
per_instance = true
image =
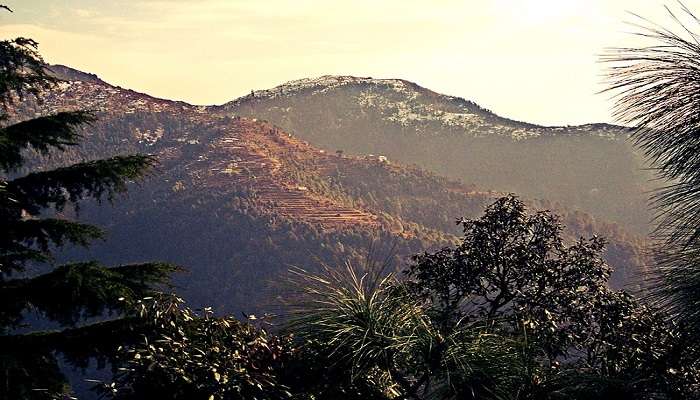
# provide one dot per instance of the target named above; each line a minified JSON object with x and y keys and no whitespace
{"x":28,"y":362}
{"x":42,"y":134}
{"x":69,"y":292}
{"x":15,"y":256}
{"x":81,"y":343}
{"x":32,"y":240}
{"x":92,"y":179}
{"x":29,"y":375}
{"x":47,"y":232}
{"x":73,"y":291}
{"x":22,"y":70}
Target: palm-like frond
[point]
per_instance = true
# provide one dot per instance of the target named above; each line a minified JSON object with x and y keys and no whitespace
{"x":657,"y":91}
{"x":369,"y":323}
{"x":357,"y":315}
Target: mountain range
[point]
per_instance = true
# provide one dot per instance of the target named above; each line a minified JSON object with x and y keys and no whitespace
{"x":330,"y":171}
{"x":591,"y":167}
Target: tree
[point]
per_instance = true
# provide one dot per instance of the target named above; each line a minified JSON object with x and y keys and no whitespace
{"x":511,"y":312}
{"x":657,"y":92}
{"x":32,"y":230}
{"x":514,"y":269}
{"x":514,"y":273}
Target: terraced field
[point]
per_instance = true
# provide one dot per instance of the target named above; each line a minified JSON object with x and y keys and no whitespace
{"x":244,"y":156}
{"x":245,"y":153}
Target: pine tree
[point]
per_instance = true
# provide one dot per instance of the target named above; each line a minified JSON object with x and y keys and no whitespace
{"x":31,"y":230}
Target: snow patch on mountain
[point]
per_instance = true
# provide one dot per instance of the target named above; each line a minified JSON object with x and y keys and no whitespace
{"x":411,"y":111}
{"x":397,"y":101}
{"x":407,"y":104}
{"x":327,"y":83}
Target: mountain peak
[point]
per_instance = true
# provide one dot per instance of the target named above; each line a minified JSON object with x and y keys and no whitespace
{"x":398,"y":100}
{"x":323,"y":84}
{"x":407,"y":103}
{"x":71,"y":74}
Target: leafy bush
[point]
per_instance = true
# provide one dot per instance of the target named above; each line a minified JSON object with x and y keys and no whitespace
{"x":198,"y":356}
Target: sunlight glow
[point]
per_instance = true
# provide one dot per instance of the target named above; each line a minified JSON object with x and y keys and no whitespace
{"x":532,"y":60}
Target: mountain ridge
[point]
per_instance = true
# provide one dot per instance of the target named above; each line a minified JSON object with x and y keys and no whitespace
{"x":325,"y":82}
{"x":592,"y":167}
{"x":328,"y":82}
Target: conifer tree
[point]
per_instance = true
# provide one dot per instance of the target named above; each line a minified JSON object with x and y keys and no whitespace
{"x":31,"y":229}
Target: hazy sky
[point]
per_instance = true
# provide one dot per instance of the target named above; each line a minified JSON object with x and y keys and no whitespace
{"x":532,"y":60}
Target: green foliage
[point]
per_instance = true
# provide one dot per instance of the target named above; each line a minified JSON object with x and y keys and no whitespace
{"x":358,"y":317}
{"x":31,"y":239}
{"x":42,"y":134}
{"x":512,"y":312}
{"x":84,"y":289}
{"x":515,"y":266}
{"x":193,"y":355}
{"x":29,"y":362}
{"x":94,"y":179}
{"x":514,"y":273}
{"x":27,"y":239}
{"x":372,"y":331}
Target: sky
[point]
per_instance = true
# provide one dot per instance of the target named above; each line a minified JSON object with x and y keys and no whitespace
{"x":531,"y":60}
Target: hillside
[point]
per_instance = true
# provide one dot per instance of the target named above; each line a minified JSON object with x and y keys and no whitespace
{"x":592,"y":167}
{"x":238,"y":200}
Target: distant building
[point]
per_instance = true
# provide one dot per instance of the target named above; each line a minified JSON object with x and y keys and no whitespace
{"x":379,"y":158}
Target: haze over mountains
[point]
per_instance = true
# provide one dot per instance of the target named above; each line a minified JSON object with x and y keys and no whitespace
{"x":237,"y":200}
{"x":591,"y":167}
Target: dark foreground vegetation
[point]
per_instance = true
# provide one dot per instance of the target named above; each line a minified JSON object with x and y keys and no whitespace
{"x":515,"y":310}
{"x":510,"y":313}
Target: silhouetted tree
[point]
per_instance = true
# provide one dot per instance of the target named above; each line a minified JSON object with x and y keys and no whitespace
{"x":32,"y":229}
{"x":514,"y":274}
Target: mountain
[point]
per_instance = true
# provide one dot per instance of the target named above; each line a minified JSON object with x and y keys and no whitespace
{"x":239,"y":200}
{"x":593,"y":168}
{"x":70,"y":74}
